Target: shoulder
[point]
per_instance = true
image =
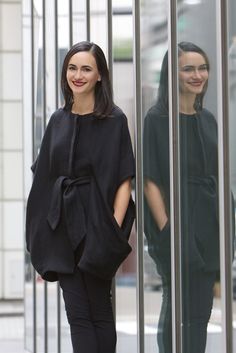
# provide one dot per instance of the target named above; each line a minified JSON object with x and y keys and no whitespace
{"x":59,"y":118}
{"x":207,"y":117}
{"x":156,"y":117}
{"x":58,"y":114}
{"x":117,"y":117}
{"x":118,"y":114}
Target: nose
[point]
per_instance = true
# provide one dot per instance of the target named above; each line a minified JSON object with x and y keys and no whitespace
{"x":78,"y":74}
{"x":197,"y":73}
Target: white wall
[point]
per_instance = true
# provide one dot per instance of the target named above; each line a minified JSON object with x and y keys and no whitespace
{"x":11,"y":151}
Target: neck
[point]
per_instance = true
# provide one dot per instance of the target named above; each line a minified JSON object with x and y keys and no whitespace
{"x":83,"y":105}
{"x":186,"y":104}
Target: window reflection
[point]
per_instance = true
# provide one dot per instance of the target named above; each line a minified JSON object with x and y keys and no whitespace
{"x":199,"y":198}
{"x":232,"y":129}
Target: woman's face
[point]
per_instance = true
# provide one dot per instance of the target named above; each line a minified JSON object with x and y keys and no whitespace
{"x":193,"y":73}
{"x":82,"y":73}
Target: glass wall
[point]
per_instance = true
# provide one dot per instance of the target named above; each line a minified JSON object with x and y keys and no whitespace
{"x":181,"y":149}
{"x":174,"y":293}
{"x":232,"y":129}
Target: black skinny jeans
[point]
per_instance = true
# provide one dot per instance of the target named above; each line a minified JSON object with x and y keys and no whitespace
{"x":197,"y":304}
{"x":89,"y":312}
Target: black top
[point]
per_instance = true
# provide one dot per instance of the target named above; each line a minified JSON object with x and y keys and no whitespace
{"x":199,"y":199}
{"x":191,"y":139}
{"x":101,"y":155}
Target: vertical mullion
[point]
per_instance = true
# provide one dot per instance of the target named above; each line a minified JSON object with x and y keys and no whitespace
{"x":109,"y":38}
{"x":56,"y":53}
{"x":45,"y":317}
{"x":139,"y":173}
{"x":88,"y":19}
{"x":44,"y":126}
{"x":224,"y":175}
{"x":70,"y":23}
{"x":33,"y":79}
{"x":57,"y":104}
{"x":110,"y":66}
{"x":44,"y":61}
{"x":176,"y":282}
{"x":58,"y":319}
{"x":33,"y":157}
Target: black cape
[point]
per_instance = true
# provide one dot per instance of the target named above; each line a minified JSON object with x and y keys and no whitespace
{"x":199,"y":189}
{"x":108,"y":163}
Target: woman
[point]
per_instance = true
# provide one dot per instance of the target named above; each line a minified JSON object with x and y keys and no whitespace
{"x":80,"y":211}
{"x":199,"y":201}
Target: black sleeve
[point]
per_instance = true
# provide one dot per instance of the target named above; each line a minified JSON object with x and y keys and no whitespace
{"x":151,"y":163}
{"x":127,"y":164}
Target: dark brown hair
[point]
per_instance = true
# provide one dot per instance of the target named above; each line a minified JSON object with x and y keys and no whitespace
{"x":103,"y":90}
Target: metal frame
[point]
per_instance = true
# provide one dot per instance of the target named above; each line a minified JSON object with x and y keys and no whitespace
{"x":139,"y":175}
{"x":109,"y":39}
{"x":175,"y":214}
{"x":224,"y":174}
{"x":44,"y":95}
{"x":70,"y":23}
{"x":88,"y":13}
{"x":57,"y":104}
{"x":33,"y":156}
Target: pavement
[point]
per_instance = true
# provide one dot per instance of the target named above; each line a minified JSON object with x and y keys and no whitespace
{"x":12,"y":326}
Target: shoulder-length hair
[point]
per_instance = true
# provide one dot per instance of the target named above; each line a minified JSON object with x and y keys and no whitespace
{"x":163,"y":101}
{"x":103,"y":90}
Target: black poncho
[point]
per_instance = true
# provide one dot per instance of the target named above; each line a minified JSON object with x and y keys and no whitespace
{"x":54,"y":195}
{"x":199,"y":188}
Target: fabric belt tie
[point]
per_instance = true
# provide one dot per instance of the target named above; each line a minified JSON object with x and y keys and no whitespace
{"x":209,"y":191}
{"x":209,"y":182}
{"x":65,"y":193}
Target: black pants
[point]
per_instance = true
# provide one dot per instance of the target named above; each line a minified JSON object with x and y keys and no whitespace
{"x":89,"y":312}
{"x":197,"y":294}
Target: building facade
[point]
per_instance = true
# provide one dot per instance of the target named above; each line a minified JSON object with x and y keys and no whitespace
{"x":11,"y":152}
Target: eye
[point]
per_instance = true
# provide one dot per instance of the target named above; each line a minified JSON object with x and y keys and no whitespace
{"x":71,"y":68}
{"x":203,"y":68}
{"x":87,"y":69}
{"x":187,"y":69}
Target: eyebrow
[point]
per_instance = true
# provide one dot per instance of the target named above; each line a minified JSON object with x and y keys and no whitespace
{"x":83,"y":66}
{"x":192,"y":66}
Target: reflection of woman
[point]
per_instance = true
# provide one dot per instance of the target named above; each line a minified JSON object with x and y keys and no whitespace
{"x":200,"y":243}
{"x":79,"y":211}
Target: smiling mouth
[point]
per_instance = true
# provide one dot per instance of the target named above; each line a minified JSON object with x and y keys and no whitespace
{"x":78,"y":84}
{"x":196,"y":83}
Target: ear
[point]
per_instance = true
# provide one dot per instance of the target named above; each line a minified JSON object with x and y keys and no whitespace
{"x":99,"y":78}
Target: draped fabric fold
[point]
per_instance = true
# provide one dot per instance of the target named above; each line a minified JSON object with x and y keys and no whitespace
{"x":66,"y":198}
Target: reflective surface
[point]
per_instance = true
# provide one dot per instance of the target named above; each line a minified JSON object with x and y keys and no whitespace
{"x":201,"y":310}
{"x":232,"y":122}
{"x":154,"y":41}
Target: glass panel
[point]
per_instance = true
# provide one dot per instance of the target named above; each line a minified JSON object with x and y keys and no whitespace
{"x":98,"y":23}
{"x":201,"y":301}
{"x":38,"y":130}
{"x":63,"y":39}
{"x":125,"y":291}
{"x":65,"y":330}
{"x":50,"y":58}
{"x":28,"y":292}
{"x":28,"y":304}
{"x":157,"y":279}
{"x":52,"y":316}
{"x":232,"y":129}
{"x":79,"y":20}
